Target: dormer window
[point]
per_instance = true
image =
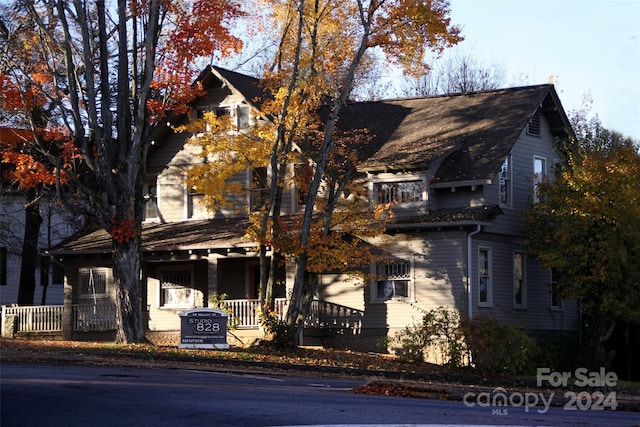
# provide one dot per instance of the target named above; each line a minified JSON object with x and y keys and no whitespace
{"x":399,"y":192}
{"x":196,"y":208}
{"x":240,"y":115}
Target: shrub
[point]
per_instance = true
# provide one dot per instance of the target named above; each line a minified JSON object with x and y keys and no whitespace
{"x":277,"y":331}
{"x":499,"y":348}
{"x":217,"y":301}
{"x":439,"y":335}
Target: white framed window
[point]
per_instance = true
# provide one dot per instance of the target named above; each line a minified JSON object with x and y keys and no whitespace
{"x":196,"y":208}
{"x":539,"y":175}
{"x":176,"y":287}
{"x":519,"y":280}
{"x":555,"y":298}
{"x":259,"y":190}
{"x":393,"y":280}
{"x":151,"y":212}
{"x":504,"y":182}
{"x":93,"y":283}
{"x":399,"y":192}
{"x":485,"y":280}
{"x":239,"y":115}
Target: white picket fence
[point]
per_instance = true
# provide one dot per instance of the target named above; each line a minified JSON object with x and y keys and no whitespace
{"x":42,"y":318}
{"x":102,"y":317}
{"x":48,"y":318}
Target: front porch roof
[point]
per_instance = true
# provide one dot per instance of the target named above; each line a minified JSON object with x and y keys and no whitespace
{"x":194,"y":235}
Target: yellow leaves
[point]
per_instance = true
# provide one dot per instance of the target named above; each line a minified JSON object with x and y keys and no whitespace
{"x":227,"y":154}
{"x":586,"y":227}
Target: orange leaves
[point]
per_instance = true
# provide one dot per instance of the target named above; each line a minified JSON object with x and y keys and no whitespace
{"x":200,"y":30}
{"x":203,"y":30}
{"x":123,"y":231}
{"x":27,"y":171}
{"x":25,"y":168}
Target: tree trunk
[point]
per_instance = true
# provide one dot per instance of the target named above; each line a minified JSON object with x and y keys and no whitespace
{"x":126,"y":265}
{"x":32,"y":223}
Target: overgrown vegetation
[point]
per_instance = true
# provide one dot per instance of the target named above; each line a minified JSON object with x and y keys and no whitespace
{"x":484,"y":343}
{"x":438,"y":338}
{"x":277,"y":331}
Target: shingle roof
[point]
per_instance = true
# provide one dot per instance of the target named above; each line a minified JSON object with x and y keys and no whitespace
{"x":185,"y":235}
{"x":248,"y":86}
{"x":471,"y":134}
{"x":466,"y":137}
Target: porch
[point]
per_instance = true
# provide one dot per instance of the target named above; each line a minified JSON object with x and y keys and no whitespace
{"x":50,"y":319}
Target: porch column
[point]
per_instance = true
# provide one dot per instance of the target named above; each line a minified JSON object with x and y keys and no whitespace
{"x":67,"y":313}
{"x":212,"y":276}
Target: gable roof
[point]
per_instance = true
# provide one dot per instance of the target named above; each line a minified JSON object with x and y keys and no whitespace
{"x":470,"y":134}
{"x":247,"y":86}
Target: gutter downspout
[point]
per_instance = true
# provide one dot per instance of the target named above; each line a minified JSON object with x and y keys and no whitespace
{"x":470,"y":269}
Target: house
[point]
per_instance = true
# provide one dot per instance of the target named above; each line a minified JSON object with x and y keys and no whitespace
{"x":459,"y":169}
{"x":56,"y":225}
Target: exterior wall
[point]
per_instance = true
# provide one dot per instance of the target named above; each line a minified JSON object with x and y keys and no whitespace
{"x":166,"y":318}
{"x":522,"y":155}
{"x":57,"y":225}
{"x":537,"y":314}
{"x":462,"y":197}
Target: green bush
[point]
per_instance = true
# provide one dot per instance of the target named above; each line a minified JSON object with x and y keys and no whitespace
{"x":277,"y":331}
{"x":499,"y":348}
{"x":217,"y":301}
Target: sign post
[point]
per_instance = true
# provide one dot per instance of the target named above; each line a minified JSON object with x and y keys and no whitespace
{"x":203,"y":328}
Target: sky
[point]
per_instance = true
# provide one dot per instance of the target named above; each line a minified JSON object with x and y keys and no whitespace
{"x":588,"y":46}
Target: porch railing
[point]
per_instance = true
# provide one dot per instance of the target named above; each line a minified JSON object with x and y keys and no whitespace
{"x":41,"y":318}
{"x":102,"y":317}
{"x":328,"y":315}
{"x":94,"y":317}
{"x":244,"y":312}
{"x":322,"y":314}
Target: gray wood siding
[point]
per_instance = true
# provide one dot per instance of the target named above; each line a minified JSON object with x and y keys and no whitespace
{"x":462,"y":197}
{"x":538,"y":314}
{"x":439,"y":279}
{"x":57,"y":225}
{"x":522,"y":155}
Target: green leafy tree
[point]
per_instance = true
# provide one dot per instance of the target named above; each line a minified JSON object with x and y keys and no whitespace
{"x":585,"y":225}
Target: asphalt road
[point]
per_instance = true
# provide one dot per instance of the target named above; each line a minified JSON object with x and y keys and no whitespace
{"x":57,"y":395}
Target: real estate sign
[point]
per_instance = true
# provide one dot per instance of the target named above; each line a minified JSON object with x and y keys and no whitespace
{"x":203,"y":328}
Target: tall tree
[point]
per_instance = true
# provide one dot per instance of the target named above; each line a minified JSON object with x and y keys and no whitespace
{"x":585,"y":223}
{"x":113,"y":71}
{"x":323,"y":47}
{"x":459,"y":72}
